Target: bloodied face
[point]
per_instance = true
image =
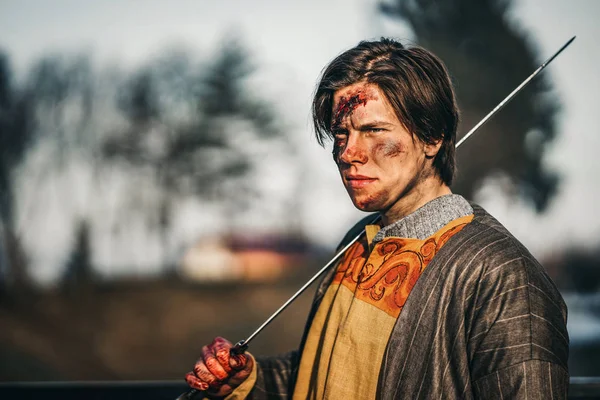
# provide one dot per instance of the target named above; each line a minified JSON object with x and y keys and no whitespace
{"x":383,"y":166}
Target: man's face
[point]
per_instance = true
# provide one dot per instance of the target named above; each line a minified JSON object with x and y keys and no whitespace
{"x":382,"y":165}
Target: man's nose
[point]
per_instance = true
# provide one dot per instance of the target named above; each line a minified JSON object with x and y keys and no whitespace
{"x":354,"y":151}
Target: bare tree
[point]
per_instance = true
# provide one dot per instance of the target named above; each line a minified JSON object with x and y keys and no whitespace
{"x":488,"y":55}
{"x":184,"y":124}
{"x":16,"y":134}
{"x":53,"y":105}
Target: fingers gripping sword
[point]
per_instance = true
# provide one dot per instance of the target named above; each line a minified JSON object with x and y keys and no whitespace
{"x":242,"y":345}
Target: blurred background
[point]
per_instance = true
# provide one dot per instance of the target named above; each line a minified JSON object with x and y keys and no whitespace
{"x":160,"y":183}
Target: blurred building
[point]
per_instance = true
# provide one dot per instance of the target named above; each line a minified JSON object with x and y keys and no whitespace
{"x":243,"y":258}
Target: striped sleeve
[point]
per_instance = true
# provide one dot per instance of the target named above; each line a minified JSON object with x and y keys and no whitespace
{"x":519,"y":341}
{"x":531,"y":380}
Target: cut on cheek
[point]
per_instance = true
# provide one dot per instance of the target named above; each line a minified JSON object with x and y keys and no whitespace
{"x":390,"y":148}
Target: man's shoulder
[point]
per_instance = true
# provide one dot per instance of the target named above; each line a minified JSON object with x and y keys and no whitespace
{"x":486,"y":221}
{"x":485,"y":244}
{"x":496,"y":256}
{"x":482,"y":221}
{"x":485,"y":230}
{"x":482,"y":232}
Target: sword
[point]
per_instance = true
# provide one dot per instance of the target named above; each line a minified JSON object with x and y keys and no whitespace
{"x":242,"y":345}
{"x":514,"y":92}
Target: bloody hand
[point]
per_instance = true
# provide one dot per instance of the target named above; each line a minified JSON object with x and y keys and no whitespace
{"x":218,"y":372}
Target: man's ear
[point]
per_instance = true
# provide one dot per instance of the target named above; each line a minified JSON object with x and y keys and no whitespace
{"x":431,"y":149}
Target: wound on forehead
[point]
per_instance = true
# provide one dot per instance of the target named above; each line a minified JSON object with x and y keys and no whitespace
{"x":347,"y":105}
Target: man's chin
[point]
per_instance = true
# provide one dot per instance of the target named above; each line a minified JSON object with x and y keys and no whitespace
{"x":366,"y":206}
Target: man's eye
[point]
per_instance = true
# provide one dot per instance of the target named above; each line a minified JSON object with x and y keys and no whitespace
{"x":339,"y":140}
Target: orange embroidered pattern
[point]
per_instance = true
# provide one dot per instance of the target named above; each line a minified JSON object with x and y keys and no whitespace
{"x":386,"y":276}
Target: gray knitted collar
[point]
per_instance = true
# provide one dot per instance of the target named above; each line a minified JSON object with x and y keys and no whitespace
{"x":428,"y":219}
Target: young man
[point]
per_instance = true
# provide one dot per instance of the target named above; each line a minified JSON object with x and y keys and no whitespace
{"x":436,"y":300}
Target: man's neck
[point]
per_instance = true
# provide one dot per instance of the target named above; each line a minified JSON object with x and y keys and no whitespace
{"x":428,"y":219}
{"x":414,"y":200}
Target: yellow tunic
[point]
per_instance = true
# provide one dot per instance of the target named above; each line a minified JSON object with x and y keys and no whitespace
{"x":349,"y":334}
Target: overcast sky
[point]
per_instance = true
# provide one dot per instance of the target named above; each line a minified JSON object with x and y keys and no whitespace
{"x":291,"y":41}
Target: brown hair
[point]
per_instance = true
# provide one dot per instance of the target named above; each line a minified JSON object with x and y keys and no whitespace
{"x":414,"y":81}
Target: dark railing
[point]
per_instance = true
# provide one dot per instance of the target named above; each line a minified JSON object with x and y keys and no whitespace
{"x":111,"y":390}
{"x":581,"y":388}
{"x":584,"y":388}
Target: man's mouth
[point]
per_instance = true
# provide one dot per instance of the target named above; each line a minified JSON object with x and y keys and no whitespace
{"x":359,"y":181}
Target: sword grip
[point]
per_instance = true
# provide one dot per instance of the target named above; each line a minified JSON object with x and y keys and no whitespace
{"x":239,"y":348}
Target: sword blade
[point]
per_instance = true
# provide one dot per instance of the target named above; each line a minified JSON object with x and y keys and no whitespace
{"x":242,"y":344}
{"x":514,"y":92}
